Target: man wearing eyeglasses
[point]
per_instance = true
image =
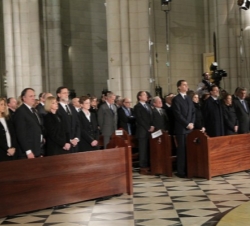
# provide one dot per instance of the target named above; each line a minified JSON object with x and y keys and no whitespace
{"x":126,"y":116}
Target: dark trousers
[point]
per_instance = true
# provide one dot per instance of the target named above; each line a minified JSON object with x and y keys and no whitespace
{"x":144,"y":159}
{"x":181,"y":154}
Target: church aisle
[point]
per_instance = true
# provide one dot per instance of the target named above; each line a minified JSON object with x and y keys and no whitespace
{"x":157,"y":200}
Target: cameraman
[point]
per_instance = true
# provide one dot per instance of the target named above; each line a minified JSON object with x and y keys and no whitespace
{"x":204,"y":85}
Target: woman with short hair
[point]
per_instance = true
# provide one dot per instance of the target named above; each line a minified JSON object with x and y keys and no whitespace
{"x":88,"y":126}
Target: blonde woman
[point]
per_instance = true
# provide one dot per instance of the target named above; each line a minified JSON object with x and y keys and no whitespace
{"x":57,"y":139}
{"x":7,"y":134}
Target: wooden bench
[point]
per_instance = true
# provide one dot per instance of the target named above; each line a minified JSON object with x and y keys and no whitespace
{"x":32,"y":184}
{"x":213,"y":156}
{"x":161,"y":158}
{"x":129,"y":140}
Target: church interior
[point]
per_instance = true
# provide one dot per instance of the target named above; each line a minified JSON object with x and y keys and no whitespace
{"x":127,"y":46}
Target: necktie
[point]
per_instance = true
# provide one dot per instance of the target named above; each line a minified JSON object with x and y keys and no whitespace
{"x":146,"y":107}
{"x":67,"y":109}
{"x":35,"y":113}
{"x":244,"y":105}
{"x":111,"y":109}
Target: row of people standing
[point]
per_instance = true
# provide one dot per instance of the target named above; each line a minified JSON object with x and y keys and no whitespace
{"x":57,"y":132}
{"x":227,"y":116}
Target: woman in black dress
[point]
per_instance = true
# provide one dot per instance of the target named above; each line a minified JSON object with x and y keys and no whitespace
{"x":229,"y":115}
{"x":57,"y":139}
{"x":88,"y":126}
{"x":199,"y":122}
{"x":7,"y":134}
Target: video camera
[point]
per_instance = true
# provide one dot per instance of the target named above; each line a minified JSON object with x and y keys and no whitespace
{"x":217,"y":75}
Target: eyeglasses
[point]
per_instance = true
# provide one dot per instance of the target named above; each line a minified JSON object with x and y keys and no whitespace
{"x":127,"y":102}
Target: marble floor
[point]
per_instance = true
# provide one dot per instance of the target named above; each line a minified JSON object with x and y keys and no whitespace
{"x":157,"y":201}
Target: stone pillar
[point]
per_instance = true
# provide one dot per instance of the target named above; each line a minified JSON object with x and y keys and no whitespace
{"x":9,"y":47}
{"x":128,"y":46}
{"x":22,"y":46}
{"x":114,"y":45}
{"x":52,"y":45}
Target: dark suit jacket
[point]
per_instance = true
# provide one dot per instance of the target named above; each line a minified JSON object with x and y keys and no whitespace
{"x":3,"y":141}
{"x":160,"y":121}
{"x":28,"y":131}
{"x":171,"y":119}
{"x":89,"y":132}
{"x":11,"y":113}
{"x":125,"y":119}
{"x":242,"y":116}
{"x":213,"y":117}
{"x":230,"y":119}
{"x":184,"y":113}
{"x":56,"y":135}
{"x":71,"y":123}
{"x":144,"y":120}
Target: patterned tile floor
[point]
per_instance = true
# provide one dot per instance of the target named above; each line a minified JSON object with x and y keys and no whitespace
{"x":157,"y":201}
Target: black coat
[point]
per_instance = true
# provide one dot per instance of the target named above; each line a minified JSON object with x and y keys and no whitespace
{"x":28,"y":132}
{"x":242,"y":116}
{"x":171,"y":119}
{"x":56,"y":135}
{"x":124,"y":119}
{"x":3,"y":141}
{"x":89,"y":132}
{"x":144,"y":120}
{"x":199,"y":121}
{"x":230,"y":119}
{"x":213,"y":117}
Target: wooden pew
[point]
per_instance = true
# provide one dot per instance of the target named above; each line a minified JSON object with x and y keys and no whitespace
{"x":212,"y":156}
{"x":28,"y":185}
{"x":129,"y":140}
{"x":161,"y":158}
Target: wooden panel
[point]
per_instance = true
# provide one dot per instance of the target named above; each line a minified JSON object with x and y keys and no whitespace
{"x":229,"y":154}
{"x":161,"y":155}
{"x":28,"y":185}
{"x":213,"y":156}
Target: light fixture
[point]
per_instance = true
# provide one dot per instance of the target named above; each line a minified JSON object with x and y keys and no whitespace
{"x":165,"y":2}
{"x":244,"y":4}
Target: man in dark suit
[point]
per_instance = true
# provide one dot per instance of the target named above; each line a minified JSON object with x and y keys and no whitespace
{"x":184,"y":113}
{"x":12,"y":105}
{"x":107,"y":118}
{"x":69,"y":116}
{"x":160,"y":119}
{"x":144,"y":126}
{"x":40,"y":107}
{"x":242,"y":111}
{"x":213,"y":114}
{"x":126,"y":117}
{"x":28,"y":126}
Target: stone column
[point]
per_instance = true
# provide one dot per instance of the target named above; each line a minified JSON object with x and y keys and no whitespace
{"x":9,"y":47}
{"x":114,"y":46}
{"x":52,"y":45}
{"x":128,"y":46}
{"x":22,"y":46}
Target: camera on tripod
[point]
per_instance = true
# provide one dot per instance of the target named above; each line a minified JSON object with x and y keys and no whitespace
{"x":217,"y":75}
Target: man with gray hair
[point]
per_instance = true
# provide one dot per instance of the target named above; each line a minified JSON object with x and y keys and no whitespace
{"x":107,"y":118}
{"x":242,"y":111}
{"x":160,"y":119}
